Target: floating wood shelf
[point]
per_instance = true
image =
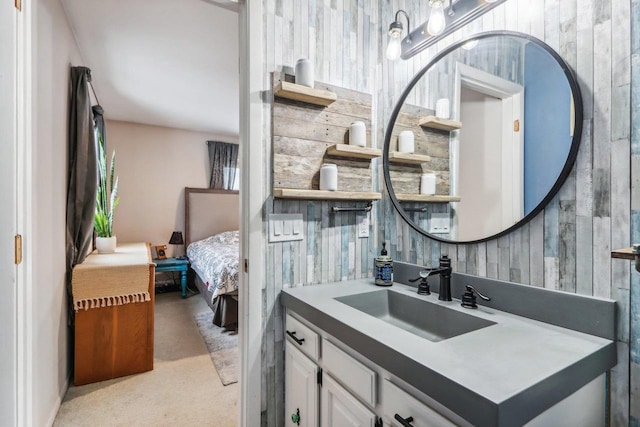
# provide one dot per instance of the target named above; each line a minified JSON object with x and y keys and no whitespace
{"x":408,"y":158}
{"x":441,"y":124}
{"x":424,"y":198}
{"x":352,"y":151}
{"x":626,"y":253}
{"x":305,"y":94}
{"x":291,"y":193}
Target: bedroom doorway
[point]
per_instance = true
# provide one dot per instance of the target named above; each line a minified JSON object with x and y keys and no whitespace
{"x":16,"y":316}
{"x":8,"y":219}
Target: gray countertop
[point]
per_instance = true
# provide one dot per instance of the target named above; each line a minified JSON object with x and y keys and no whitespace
{"x":504,"y":374}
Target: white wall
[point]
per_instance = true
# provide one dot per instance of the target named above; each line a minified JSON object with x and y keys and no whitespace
{"x":55,"y":50}
{"x":154,"y":164}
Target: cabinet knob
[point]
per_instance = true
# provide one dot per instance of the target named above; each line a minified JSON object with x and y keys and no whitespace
{"x":296,"y":416}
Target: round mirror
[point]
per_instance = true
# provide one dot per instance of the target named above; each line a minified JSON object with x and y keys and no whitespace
{"x":483,"y":137}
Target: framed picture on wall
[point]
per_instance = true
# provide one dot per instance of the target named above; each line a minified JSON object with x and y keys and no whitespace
{"x":161,"y":252}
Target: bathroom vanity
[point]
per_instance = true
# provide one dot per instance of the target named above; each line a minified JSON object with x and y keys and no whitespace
{"x":357,"y":354}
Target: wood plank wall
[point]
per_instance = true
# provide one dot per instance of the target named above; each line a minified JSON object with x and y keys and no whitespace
{"x":566,"y":247}
{"x":341,"y":38}
{"x":303,"y":132}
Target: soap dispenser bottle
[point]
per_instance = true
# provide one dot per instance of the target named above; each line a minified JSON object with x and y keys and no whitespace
{"x":383,"y":268}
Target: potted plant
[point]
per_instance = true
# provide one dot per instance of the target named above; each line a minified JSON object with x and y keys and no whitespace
{"x":106,"y":201}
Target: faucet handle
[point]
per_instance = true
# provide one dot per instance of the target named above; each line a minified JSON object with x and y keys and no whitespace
{"x":469,"y":297}
{"x":423,"y":286}
{"x":423,"y":275}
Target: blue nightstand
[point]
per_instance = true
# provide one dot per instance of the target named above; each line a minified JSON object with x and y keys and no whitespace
{"x":174,"y":264}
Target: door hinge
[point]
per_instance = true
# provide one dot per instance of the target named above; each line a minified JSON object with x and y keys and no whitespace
{"x":320,"y":376}
{"x":17,"y":245}
{"x":378,"y":422}
{"x":18,"y":4}
{"x":246,"y":265}
{"x":516,"y":125}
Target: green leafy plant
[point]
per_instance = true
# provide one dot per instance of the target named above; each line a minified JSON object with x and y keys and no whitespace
{"x":107,"y":198}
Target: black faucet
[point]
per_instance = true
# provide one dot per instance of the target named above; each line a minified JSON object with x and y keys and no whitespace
{"x":444,"y":269}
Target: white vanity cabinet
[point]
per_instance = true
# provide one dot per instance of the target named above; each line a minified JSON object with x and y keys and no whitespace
{"x":331,"y":388}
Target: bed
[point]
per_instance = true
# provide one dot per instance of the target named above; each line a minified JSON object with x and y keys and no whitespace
{"x":212,"y":238}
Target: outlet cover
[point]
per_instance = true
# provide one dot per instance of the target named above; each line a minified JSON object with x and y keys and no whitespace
{"x":440,"y":223}
{"x":363,"y":225}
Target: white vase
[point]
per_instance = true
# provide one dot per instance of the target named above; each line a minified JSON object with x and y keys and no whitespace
{"x":304,"y":72}
{"x":329,"y":177}
{"x":406,"y":142}
{"x":106,"y":245}
{"x":442,"y":108}
{"x":358,"y":134}
{"x":428,"y":184}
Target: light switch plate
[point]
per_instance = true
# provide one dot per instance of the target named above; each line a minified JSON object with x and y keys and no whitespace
{"x":439,"y":223}
{"x":285,"y":227}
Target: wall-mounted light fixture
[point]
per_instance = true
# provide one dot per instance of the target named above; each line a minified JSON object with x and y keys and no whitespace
{"x":442,"y":21}
{"x":394,"y":48}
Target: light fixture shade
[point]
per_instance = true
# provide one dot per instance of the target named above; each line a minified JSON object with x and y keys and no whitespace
{"x":437,"y":21}
{"x":394,"y":49}
{"x":176,"y":238}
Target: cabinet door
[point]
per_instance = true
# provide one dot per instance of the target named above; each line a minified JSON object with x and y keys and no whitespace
{"x":301,"y":389}
{"x":341,"y":409}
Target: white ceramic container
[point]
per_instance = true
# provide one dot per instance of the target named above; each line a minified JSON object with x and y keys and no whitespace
{"x":442,"y":108}
{"x":329,"y":177}
{"x":358,"y":134}
{"x":428,"y":184}
{"x":304,"y":72}
{"x":406,"y":142}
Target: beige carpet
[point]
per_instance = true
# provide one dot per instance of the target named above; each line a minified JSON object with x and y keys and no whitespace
{"x":183,"y":389}
{"x":223,"y":346}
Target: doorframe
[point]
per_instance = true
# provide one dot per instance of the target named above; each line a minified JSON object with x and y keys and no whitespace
{"x":491,"y":85}
{"x":253,"y":196}
{"x":24,"y":195}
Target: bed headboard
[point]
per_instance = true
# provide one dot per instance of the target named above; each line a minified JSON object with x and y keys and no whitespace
{"x":208,"y":212}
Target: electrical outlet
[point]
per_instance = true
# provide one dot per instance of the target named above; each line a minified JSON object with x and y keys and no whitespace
{"x":439,"y":223}
{"x":363,"y":225}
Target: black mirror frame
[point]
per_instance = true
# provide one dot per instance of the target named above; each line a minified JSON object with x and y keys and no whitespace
{"x":566,"y":170}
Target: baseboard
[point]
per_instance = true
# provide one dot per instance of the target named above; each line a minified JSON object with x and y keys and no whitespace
{"x":56,"y":407}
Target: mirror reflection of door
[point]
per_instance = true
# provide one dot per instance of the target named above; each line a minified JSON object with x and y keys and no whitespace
{"x":489,"y":171}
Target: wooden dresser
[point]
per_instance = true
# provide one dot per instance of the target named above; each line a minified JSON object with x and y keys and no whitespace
{"x":114,"y":310}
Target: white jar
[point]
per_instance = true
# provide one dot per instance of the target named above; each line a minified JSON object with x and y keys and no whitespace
{"x":329,"y":177}
{"x":406,"y":142}
{"x":358,"y":134}
{"x":428,"y":184}
{"x":304,"y":72}
{"x":442,"y":108}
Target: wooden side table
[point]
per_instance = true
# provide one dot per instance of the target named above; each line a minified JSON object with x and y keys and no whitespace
{"x":175,"y":264}
{"x":115,"y":340}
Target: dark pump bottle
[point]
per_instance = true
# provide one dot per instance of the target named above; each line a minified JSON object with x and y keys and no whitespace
{"x":383,"y":268}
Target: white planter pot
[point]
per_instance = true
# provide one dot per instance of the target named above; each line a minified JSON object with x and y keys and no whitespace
{"x":106,"y":245}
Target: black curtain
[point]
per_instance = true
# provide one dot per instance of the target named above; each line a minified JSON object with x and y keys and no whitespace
{"x":82,"y":166}
{"x":223,"y":158}
{"x":98,"y":120}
